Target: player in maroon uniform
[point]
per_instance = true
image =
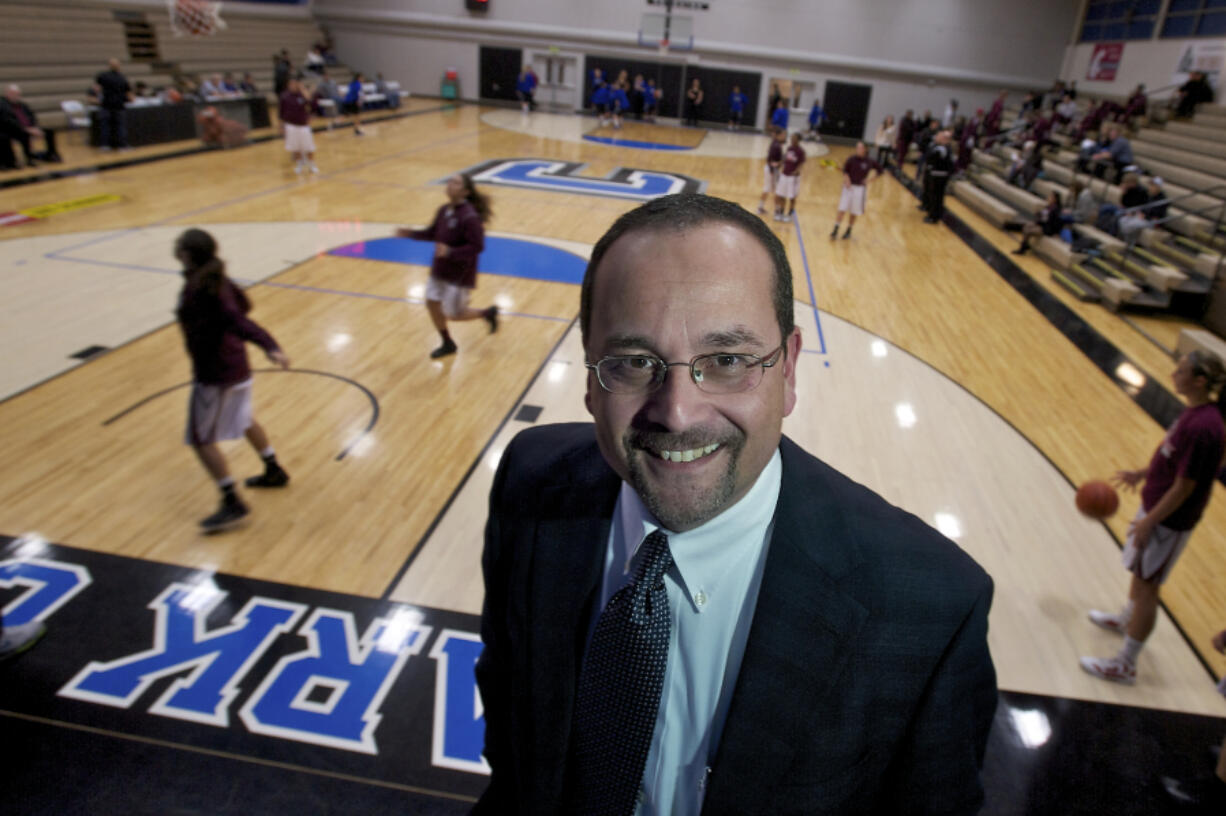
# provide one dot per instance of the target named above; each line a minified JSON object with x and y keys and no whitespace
{"x":789,"y":180}
{"x":212,"y":313}
{"x":1178,"y":483}
{"x":770,"y":170}
{"x":855,"y":174}
{"x":458,"y":233}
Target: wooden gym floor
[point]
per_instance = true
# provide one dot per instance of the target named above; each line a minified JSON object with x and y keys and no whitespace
{"x":927,"y":376}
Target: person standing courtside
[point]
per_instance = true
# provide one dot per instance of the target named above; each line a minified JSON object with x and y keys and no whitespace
{"x":212,"y":313}
{"x":113,"y":94}
{"x":295,"y":113}
{"x":787,"y":188}
{"x":855,"y":189}
{"x":938,"y":164}
{"x":684,"y":611}
{"x":458,"y":233}
{"x":693,"y":103}
{"x":1178,"y":484}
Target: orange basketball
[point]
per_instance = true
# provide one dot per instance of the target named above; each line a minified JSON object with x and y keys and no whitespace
{"x":1097,"y":499}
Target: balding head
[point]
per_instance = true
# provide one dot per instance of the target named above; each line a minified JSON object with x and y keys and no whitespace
{"x":12,"y":93}
{"x":114,"y":64}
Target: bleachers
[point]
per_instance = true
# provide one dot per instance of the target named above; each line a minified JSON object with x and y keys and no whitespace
{"x":1176,"y":260}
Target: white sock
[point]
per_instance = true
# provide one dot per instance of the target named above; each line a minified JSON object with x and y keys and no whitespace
{"x":1132,"y":648}
{"x":1126,"y":611}
{"x":226,"y":482}
{"x":267,"y":452}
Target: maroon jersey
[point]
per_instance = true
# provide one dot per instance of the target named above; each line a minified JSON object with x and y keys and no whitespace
{"x":775,"y":154}
{"x":792,"y":160}
{"x":215,"y":328}
{"x":857,"y":169}
{"x":460,"y":228}
{"x":1192,"y":449}
{"x":295,"y":108}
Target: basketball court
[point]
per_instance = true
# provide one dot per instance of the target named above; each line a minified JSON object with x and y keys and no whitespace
{"x":934,"y":370}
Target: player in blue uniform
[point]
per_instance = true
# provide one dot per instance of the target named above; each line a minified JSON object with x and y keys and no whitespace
{"x":736,"y":106}
{"x":619,"y":102}
{"x":651,"y":100}
{"x":600,"y":95}
{"x":779,"y":116}
{"x":525,"y":87}
{"x":816,"y":117}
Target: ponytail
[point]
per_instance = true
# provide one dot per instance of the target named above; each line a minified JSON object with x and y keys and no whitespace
{"x":1206,"y":364}
{"x":479,"y":200}
{"x":205,"y":270}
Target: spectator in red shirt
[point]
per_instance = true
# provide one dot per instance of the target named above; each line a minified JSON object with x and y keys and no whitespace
{"x":1178,"y":483}
{"x":458,"y":233}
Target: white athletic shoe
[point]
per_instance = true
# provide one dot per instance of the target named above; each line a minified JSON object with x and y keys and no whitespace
{"x":761,"y":210}
{"x":315,"y":168}
{"x":1110,"y":621}
{"x":298,"y":168}
{"x":1115,"y":669}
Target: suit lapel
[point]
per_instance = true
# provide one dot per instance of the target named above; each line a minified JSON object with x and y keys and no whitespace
{"x":567,"y":561}
{"x":799,"y":639}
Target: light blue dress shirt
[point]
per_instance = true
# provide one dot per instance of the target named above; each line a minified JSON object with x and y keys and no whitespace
{"x":712,"y":592}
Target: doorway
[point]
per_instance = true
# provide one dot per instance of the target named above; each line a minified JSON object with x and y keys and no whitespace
{"x":560,"y":85}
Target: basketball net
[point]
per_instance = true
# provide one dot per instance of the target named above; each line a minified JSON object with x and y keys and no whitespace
{"x":195,"y":18}
{"x":663,"y":47}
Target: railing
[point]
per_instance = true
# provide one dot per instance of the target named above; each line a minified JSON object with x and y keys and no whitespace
{"x":1132,"y":241}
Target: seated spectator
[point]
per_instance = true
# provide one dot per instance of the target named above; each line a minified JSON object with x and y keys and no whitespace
{"x":1066,"y":111}
{"x":1025,"y":166}
{"x":1030,"y":102}
{"x":1085,"y":206}
{"x":228,"y":86}
{"x":1117,"y":154}
{"x":1133,"y":198}
{"x":315,"y":61}
{"x":924,"y":121}
{"x":326,"y":89}
{"x":1192,"y":93}
{"x":1049,"y":220}
{"x":248,"y":86}
{"x":393,"y":95}
{"x":211,"y":88}
{"x":1136,"y":106}
{"x":1040,"y":130}
{"x":142,"y":91}
{"x":217,"y":131}
{"x":19,"y":123}
{"x":1159,"y":203}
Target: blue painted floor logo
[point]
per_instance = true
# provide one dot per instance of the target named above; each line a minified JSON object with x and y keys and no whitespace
{"x":563,"y":177}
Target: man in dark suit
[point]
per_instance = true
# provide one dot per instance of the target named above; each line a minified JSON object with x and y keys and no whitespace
{"x":687,"y":613}
{"x":19,"y":123}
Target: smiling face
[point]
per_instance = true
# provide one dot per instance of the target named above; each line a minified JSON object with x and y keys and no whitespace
{"x":674,"y":295}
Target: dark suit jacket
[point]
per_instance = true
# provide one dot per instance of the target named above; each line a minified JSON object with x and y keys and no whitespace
{"x":9,"y":123}
{"x":866,"y":685}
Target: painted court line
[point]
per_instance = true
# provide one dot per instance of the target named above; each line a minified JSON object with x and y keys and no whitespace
{"x":804,"y":259}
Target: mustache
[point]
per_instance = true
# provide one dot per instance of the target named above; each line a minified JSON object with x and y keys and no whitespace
{"x":696,"y":437}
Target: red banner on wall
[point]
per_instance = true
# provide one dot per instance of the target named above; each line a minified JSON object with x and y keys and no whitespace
{"x":1105,"y":61}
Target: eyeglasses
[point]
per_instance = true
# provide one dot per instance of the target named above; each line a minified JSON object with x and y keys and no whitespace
{"x":718,"y":373}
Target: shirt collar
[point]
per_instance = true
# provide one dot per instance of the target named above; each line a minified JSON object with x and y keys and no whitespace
{"x":703,"y":555}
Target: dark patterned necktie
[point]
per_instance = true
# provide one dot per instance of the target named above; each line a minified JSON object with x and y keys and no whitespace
{"x":619,"y":690}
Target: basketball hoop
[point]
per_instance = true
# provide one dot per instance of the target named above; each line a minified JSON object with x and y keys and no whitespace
{"x":195,"y":18}
{"x":663,"y":47}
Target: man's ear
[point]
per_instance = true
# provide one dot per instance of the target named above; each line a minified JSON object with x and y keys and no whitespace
{"x":790,"y":357}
